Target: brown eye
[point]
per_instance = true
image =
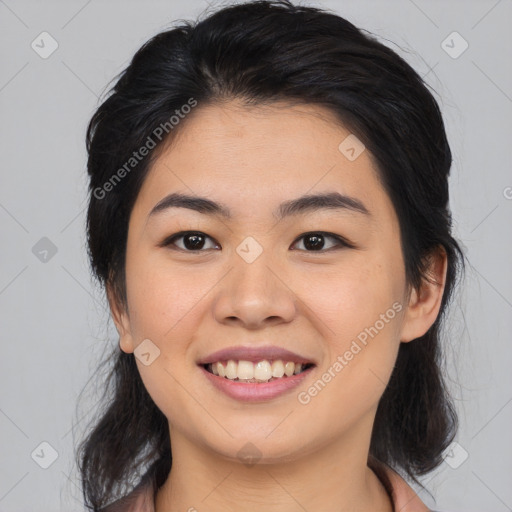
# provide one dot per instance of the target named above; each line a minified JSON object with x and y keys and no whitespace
{"x":315,"y":241}
{"x":192,"y":241}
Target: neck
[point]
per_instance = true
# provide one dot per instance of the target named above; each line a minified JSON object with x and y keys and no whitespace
{"x":334,"y":478}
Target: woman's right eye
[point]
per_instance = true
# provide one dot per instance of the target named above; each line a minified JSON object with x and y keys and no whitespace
{"x":193,"y":241}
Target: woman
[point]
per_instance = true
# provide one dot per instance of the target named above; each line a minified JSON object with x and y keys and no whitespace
{"x":269,"y":216}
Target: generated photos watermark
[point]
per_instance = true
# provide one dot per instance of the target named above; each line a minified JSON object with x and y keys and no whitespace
{"x":159,"y":134}
{"x":361,"y":341}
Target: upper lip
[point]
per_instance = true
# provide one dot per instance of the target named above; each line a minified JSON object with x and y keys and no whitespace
{"x":254,"y":354}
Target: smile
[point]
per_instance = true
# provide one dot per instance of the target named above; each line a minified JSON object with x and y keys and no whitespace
{"x":261,"y":371}
{"x":255,"y":382}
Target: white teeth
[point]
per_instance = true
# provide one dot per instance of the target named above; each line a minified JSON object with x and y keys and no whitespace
{"x":277,"y":369}
{"x":289,"y":369}
{"x":231,"y":372}
{"x":245,"y":370}
{"x":261,"y":371}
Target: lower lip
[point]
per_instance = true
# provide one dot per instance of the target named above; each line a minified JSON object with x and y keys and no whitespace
{"x":253,"y":391}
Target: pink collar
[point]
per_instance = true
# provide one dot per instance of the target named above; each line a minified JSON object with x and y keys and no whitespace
{"x":404,"y":498}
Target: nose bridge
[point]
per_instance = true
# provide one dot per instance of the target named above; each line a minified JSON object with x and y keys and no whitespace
{"x":255,"y":265}
{"x":257,"y":279}
{"x":254,"y":291}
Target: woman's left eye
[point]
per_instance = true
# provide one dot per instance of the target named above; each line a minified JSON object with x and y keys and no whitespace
{"x":317,"y":238}
{"x":314,"y":241}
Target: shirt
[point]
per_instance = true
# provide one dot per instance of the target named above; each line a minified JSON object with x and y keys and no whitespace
{"x":403,"y":496}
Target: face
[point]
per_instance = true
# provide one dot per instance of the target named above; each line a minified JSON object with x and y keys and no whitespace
{"x":325,"y":283}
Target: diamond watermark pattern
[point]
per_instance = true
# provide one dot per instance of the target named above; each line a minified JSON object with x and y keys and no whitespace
{"x":455,"y":455}
{"x":146,"y":352}
{"x":44,"y":250}
{"x":249,"y":249}
{"x":454,"y":45}
{"x":351,"y":147}
{"x":44,"y":455}
{"x":249,"y":454}
{"x":44,"y":45}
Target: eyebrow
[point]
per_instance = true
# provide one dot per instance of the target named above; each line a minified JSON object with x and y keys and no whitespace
{"x":301,"y":205}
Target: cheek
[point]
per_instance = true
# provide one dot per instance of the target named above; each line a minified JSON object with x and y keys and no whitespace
{"x":359,"y":306}
{"x":161,"y":295}
{"x":351,"y":296}
{"x":164,"y":302}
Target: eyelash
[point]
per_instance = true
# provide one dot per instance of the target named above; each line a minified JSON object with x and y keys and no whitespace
{"x":341,"y":241}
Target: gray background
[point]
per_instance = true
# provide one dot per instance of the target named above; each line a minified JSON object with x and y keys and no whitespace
{"x":54,"y":320}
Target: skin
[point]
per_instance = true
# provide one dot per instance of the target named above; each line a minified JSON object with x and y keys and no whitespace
{"x":313,"y":456}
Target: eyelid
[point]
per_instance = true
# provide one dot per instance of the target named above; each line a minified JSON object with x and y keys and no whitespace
{"x":167,"y":241}
{"x":342,"y":241}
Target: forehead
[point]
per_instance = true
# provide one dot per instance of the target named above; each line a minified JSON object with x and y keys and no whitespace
{"x":249,"y":156}
{"x":278,"y":131}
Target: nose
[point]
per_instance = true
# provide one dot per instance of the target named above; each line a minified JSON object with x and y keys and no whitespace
{"x":255,"y":295}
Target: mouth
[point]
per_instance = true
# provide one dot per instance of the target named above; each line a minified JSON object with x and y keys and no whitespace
{"x":259,"y":372}
{"x":256,"y":382}
{"x":256,"y":373}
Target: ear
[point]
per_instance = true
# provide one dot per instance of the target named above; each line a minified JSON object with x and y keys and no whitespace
{"x":121,"y":321}
{"x":424,"y":304}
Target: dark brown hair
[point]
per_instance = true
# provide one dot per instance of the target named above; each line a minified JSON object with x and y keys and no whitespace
{"x":261,"y":52}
